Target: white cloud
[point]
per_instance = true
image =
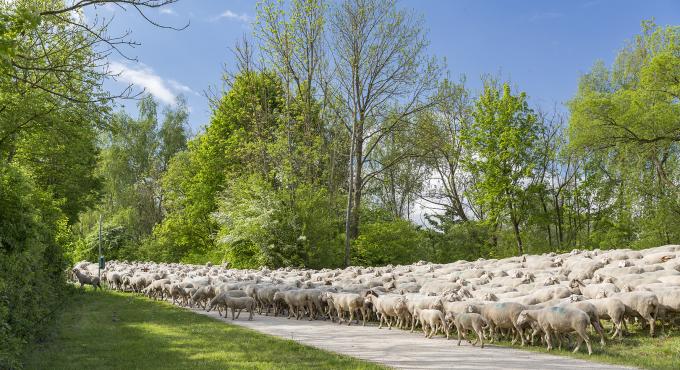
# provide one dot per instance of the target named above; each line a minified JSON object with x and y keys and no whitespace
{"x":235,"y":16}
{"x":168,"y":11}
{"x":143,"y":76}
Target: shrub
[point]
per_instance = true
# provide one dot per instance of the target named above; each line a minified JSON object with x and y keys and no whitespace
{"x":32,"y":264}
{"x":389,"y":242}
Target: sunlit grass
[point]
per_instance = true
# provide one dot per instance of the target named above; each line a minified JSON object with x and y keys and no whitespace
{"x":636,"y":349}
{"x":109,"y":330}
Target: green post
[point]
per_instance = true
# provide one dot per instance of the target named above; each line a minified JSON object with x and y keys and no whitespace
{"x":101,"y":257}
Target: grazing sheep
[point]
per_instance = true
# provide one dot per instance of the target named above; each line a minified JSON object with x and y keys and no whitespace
{"x":644,"y":305}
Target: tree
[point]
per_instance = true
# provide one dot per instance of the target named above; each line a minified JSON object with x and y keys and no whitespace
{"x":624,"y":123}
{"x":382,"y":77}
{"x":441,"y":142}
{"x":503,"y":137}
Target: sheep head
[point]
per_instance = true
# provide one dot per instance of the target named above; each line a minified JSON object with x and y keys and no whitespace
{"x":523,"y":318}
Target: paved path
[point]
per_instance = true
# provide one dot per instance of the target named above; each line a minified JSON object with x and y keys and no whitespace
{"x":401,"y":349}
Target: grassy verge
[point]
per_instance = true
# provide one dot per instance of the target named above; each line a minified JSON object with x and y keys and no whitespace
{"x":109,"y":330}
{"x":636,"y":349}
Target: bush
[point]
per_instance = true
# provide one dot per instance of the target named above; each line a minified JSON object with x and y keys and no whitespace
{"x":32,"y":264}
{"x":260,"y":225}
{"x":389,"y":242}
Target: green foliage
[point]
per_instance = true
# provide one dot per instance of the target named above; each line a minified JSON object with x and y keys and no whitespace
{"x":31,"y":262}
{"x":624,"y":124}
{"x":503,"y":139}
{"x":262,"y":227}
{"x":396,"y":242}
{"x":134,"y":157}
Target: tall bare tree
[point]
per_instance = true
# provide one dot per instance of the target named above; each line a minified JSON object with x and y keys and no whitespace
{"x":382,"y":76}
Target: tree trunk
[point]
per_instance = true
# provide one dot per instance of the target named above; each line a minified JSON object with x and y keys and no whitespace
{"x":515,"y":227}
{"x":358,"y":181}
{"x":350,"y":196}
{"x":518,"y":237}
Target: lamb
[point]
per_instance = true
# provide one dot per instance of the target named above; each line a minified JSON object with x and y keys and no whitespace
{"x":85,"y":279}
{"x":559,"y":320}
{"x":414,"y":301}
{"x":432,"y":321}
{"x":465,"y":322}
{"x":641,"y":304}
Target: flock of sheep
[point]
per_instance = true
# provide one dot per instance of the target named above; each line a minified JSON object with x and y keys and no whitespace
{"x":528,"y":298}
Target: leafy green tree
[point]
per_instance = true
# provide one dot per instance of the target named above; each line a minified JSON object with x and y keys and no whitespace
{"x":503,"y":138}
{"x":624,"y":122}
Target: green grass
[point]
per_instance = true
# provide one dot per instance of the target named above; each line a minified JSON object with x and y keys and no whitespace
{"x":637,"y":349}
{"x":109,"y":330}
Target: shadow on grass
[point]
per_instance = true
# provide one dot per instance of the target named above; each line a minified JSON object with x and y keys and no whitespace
{"x":108,"y":330}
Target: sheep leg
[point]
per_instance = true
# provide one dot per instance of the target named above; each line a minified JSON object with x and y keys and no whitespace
{"x":459,"y":336}
{"x":548,"y":338}
{"x":311,"y":311}
{"x":617,"y":329}
{"x":650,"y":320}
{"x":492,"y":332}
{"x":351,"y":317}
{"x":583,"y":337}
{"x":520,"y":332}
{"x":250,"y":311}
{"x":480,"y":337}
{"x":598,"y":328}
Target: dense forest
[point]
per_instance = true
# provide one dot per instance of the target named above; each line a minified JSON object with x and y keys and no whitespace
{"x":335,"y":138}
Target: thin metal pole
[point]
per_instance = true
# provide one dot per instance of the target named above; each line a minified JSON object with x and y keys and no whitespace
{"x":100,"y":248}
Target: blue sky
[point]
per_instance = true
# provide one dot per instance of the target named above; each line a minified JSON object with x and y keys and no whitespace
{"x":541,"y":46}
